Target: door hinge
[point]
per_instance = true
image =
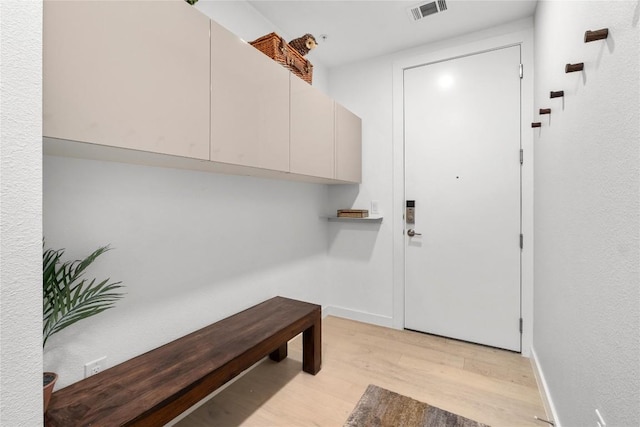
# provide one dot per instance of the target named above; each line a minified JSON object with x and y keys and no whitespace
{"x":521,"y":241}
{"x":521,"y":70}
{"x":521,"y":156}
{"x":520,"y":323}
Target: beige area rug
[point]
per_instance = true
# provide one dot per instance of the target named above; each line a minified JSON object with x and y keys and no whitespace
{"x":383,"y":408}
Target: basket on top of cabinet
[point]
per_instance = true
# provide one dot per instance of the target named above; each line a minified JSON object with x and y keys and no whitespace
{"x":276,"y":48}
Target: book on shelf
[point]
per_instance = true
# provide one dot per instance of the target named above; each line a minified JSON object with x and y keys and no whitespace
{"x":353,"y":213}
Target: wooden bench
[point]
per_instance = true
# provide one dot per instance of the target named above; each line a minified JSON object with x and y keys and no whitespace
{"x":155,"y":387}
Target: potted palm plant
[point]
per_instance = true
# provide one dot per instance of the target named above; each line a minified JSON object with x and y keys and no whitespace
{"x":68,"y":297}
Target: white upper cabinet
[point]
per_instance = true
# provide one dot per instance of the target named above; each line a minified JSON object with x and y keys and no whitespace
{"x":132,"y":74}
{"x":249,"y":104}
{"x":157,"y":82}
{"x":348,"y":145}
{"x":312,"y":131}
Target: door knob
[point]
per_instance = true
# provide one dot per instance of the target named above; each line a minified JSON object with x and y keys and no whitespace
{"x":411,"y":232}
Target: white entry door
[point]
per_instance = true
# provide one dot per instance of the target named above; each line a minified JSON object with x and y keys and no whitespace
{"x":462,"y":170}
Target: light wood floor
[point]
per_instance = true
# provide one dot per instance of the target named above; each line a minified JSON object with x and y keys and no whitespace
{"x":492,"y":386}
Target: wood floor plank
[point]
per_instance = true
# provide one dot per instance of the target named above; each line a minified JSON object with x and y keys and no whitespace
{"x":489,"y":385}
{"x":521,"y":375}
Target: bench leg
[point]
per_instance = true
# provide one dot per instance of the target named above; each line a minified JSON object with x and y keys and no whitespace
{"x":312,"y":348}
{"x":279,"y":354}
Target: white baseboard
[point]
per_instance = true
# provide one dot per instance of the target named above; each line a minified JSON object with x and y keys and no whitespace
{"x":325,"y":311}
{"x":360,"y":316}
{"x":549,"y":407}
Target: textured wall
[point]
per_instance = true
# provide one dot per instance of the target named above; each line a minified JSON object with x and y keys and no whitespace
{"x":20,"y":213}
{"x":587,"y":287}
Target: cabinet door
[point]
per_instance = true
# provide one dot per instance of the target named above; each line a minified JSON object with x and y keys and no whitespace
{"x":312,"y":131}
{"x":249,"y":104}
{"x":132,"y":74}
{"x":348,"y":145}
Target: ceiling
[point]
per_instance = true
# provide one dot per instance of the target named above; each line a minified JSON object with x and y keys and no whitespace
{"x":360,"y":29}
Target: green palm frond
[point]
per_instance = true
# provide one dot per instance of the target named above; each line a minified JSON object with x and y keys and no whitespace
{"x":67,"y":296}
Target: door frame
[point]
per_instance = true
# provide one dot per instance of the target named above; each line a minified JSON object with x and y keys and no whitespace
{"x":465,"y":46}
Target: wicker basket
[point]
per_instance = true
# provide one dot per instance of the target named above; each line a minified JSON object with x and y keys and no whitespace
{"x":353,"y":213}
{"x":279,"y":50}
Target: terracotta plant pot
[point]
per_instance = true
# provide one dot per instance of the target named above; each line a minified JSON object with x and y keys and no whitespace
{"x":49,"y":381}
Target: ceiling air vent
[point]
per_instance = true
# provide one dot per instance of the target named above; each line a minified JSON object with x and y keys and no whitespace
{"x":420,"y":11}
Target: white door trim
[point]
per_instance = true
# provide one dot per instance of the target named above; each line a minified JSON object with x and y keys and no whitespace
{"x":439,"y":52}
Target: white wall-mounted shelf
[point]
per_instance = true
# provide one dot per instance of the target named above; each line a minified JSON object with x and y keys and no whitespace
{"x":347,"y":219}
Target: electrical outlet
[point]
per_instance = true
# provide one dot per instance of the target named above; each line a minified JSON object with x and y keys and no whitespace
{"x":95,"y":367}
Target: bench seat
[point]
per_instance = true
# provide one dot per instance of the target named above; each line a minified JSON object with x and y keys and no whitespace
{"x":155,"y":387}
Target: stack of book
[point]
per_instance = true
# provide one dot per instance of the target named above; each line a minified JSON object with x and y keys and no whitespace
{"x":353,"y":213}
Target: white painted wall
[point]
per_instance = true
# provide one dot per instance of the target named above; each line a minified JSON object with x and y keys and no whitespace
{"x":361,"y":254}
{"x":20,"y":213}
{"x":242,"y":19}
{"x":366,"y":261}
{"x":587,"y":212}
{"x":190,"y":247}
